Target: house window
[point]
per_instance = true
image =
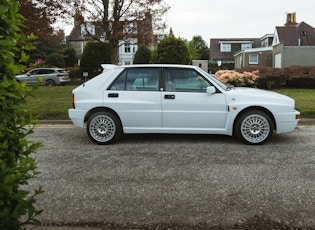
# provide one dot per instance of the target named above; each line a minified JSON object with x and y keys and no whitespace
{"x":127,"y":47}
{"x":246,"y":46}
{"x":225,"y":47}
{"x":253,"y":59}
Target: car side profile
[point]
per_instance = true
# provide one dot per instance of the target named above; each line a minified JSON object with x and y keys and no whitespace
{"x":47,"y":76}
{"x":179,"y":99}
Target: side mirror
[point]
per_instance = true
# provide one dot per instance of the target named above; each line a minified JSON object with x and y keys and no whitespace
{"x":211,"y":90}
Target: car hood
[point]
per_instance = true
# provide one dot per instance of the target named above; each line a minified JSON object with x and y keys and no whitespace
{"x":253,"y":94}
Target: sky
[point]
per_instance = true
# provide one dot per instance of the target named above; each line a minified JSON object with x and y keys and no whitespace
{"x":234,"y":18}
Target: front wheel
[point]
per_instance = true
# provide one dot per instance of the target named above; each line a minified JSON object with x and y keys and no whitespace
{"x":104,"y":128}
{"x":254,"y":127}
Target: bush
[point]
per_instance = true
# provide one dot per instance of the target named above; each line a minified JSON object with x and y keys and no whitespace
{"x":95,"y":54}
{"x":16,"y":165}
{"x":291,"y":77}
{"x":171,"y":50}
{"x":142,"y":56}
{"x":55,"y":60}
{"x":238,"y":79}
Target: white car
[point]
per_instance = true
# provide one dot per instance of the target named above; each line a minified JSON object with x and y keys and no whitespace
{"x":176,"y":99}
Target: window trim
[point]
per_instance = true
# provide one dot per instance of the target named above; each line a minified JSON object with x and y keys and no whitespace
{"x":253,"y":62}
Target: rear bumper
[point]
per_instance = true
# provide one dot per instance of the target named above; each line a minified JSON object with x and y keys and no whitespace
{"x":287,"y":122}
{"x":77,"y":117}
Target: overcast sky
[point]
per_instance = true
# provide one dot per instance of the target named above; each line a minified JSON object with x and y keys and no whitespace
{"x":234,"y":18}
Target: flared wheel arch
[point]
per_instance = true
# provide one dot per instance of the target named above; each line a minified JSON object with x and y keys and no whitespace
{"x":254,"y":108}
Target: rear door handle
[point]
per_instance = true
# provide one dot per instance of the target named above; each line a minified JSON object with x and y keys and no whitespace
{"x":169,"y":96}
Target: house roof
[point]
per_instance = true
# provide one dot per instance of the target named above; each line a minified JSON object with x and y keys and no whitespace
{"x":300,"y":34}
{"x":75,"y":34}
{"x":216,"y":54}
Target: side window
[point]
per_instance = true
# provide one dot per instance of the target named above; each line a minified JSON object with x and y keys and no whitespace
{"x":184,"y":80}
{"x":137,"y":79}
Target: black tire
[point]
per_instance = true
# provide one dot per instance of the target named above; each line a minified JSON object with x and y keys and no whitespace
{"x":254,"y":127}
{"x":104,"y":128}
{"x":50,"y":83}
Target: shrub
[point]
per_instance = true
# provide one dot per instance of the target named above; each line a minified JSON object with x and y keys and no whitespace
{"x":142,"y":56}
{"x":236,"y":78}
{"x":171,"y":50}
{"x":95,"y":54}
{"x":16,"y":164}
{"x":55,"y":60}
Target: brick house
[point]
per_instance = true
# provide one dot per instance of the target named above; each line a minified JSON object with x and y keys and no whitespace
{"x":291,"y":44}
{"x":222,"y":51}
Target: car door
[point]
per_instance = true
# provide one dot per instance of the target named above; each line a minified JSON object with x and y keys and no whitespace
{"x":32,"y":77}
{"x":187,"y":106}
{"x":136,"y":97}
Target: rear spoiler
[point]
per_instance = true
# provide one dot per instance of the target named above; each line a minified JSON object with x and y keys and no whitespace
{"x":108,"y":67}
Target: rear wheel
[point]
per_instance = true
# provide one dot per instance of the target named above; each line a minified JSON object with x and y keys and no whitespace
{"x":50,"y":83}
{"x":254,"y":127}
{"x":104,"y":128}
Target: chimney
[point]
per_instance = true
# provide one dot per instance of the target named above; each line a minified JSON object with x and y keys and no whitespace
{"x":291,"y":19}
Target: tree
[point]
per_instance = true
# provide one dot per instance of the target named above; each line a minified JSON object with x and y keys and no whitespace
{"x":38,"y":19}
{"x":94,"y":54}
{"x":70,"y":59}
{"x":198,"y":49}
{"x":142,"y":56}
{"x":119,"y":19}
{"x":17,"y":165}
{"x":171,"y":50}
{"x":55,"y":60}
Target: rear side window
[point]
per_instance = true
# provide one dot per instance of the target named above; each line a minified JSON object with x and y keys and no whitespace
{"x":137,"y":79}
{"x":46,"y":71}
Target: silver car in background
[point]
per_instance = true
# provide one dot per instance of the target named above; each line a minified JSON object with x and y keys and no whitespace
{"x":47,"y":76}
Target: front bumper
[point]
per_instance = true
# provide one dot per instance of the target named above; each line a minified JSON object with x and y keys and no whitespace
{"x":287,"y":122}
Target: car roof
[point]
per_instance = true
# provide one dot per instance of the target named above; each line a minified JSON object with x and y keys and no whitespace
{"x":110,"y":66}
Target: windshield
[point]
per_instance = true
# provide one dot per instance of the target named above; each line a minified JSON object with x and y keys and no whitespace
{"x":219,"y":83}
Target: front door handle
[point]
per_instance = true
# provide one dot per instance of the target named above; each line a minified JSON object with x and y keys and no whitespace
{"x":169,"y":96}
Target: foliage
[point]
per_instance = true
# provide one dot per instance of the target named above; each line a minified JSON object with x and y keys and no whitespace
{"x":142,"y":56}
{"x":95,"y":54}
{"x":237,"y":79}
{"x":171,"y":50}
{"x":38,"y":19}
{"x":120,"y":19}
{"x":17,"y":166}
{"x":293,"y":77}
{"x":55,"y":60}
{"x":69,"y":56}
{"x":198,"y":49}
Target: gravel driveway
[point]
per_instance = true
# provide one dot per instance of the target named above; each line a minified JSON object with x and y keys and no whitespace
{"x":169,"y":181}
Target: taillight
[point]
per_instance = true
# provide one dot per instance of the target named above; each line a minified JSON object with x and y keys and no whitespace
{"x":59,"y":75}
{"x":73,"y":105}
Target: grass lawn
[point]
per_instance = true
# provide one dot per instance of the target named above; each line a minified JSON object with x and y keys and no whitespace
{"x":304,"y":101}
{"x":52,"y":103}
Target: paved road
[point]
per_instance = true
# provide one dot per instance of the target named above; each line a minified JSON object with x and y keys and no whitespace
{"x":175,"y":180}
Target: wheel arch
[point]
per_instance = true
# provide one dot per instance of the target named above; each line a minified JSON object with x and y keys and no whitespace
{"x":255,"y":108}
{"x":101,"y":109}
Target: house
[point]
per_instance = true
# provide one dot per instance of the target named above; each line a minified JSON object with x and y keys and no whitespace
{"x":291,"y":44}
{"x":140,"y":34}
{"x":294,"y":45}
{"x":259,"y":56}
{"x":222,"y":50}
